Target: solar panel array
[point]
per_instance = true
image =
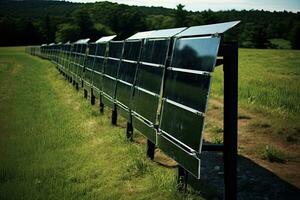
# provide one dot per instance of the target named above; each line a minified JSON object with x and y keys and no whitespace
{"x":158,"y":80}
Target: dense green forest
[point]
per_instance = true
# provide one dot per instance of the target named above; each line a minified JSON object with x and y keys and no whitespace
{"x":37,"y":22}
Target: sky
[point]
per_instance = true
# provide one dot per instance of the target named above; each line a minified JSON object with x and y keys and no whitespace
{"x":215,"y":5}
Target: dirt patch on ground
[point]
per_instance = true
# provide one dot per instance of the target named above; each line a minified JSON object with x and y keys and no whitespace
{"x":256,"y":131}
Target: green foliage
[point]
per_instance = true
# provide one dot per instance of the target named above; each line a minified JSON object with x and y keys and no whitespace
{"x":180,"y":16}
{"x":281,"y":43}
{"x":255,"y":31}
{"x":102,"y":30}
{"x":254,"y":36}
{"x":295,"y":36}
{"x":67,"y":32}
{"x":272,"y":154}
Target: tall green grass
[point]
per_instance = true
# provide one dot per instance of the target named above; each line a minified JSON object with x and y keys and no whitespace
{"x":269,"y":81}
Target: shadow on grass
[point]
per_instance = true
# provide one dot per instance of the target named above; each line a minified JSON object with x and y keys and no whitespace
{"x":254,"y":181}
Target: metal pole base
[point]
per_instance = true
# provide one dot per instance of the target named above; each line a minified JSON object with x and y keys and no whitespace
{"x":129,"y":131}
{"x":85,"y":94}
{"x":182,"y":179}
{"x":93,"y":98}
{"x":150,"y":149}
{"x":114,"y":117}
{"x":101,"y":107}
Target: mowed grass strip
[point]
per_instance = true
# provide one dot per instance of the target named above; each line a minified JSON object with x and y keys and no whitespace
{"x":54,"y":145}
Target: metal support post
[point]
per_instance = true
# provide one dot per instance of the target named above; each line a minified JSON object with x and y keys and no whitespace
{"x":93,"y":98}
{"x":129,"y":131}
{"x":182,"y":180}
{"x":150,"y":149}
{"x":230,"y":69}
{"x":85,"y":93}
{"x":114,"y":115}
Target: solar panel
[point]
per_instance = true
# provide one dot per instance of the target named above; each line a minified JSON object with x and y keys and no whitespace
{"x":106,"y":39}
{"x":165,"y":33}
{"x":140,"y":35}
{"x":208,"y":29}
{"x":185,"y":96}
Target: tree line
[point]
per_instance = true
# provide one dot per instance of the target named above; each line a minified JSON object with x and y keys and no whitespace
{"x":36,"y":22}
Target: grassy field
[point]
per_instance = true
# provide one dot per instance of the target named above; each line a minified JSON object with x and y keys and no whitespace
{"x":54,"y":145}
{"x":268,"y":81}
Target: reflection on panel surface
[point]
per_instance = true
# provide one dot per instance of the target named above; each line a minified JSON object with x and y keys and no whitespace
{"x":183,"y":125}
{"x":196,"y":53}
{"x":155,"y":51}
{"x":188,"y":89}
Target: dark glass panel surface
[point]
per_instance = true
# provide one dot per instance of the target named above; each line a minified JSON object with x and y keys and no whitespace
{"x":147,"y":131}
{"x":88,"y":76}
{"x":196,"y":53}
{"x":108,"y":86}
{"x":187,"y":161}
{"x":155,"y":51}
{"x":185,"y":126}
{"x":115,"y":49}
{"x":92,"y":49}
{"x":101,"y":48}
{"x":132,"y":50}
{"x":127,"y":71}
{"x":97,"y":80}
{"x":89,"y":62}
{"x":83,"y":48}
{"x":124,"y":113}
{"x":111,"y":68}
{"x":149,"y":78}
{"x":145,"y":105}
{"x":124,"y":94}
{"x":188,"y":89}
{"x":98,"y":65}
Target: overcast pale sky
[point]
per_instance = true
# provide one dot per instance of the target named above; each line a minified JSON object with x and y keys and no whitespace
{"x":195,"y":5}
